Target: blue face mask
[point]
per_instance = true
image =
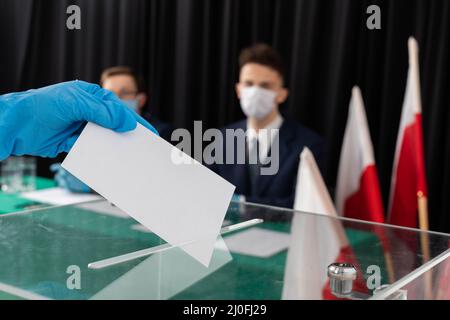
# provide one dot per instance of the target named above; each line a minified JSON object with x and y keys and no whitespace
{"x":133,"y":104}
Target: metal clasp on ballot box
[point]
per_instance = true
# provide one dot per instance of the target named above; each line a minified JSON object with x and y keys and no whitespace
{"x":341,"y":277}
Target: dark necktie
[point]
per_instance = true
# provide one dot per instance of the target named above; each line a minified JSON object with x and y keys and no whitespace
{"x":253,"y":168}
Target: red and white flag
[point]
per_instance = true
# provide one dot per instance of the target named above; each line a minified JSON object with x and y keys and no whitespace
{"x":408,"y":174}
{"x":317,"y":240}
{"x":358,"y":193}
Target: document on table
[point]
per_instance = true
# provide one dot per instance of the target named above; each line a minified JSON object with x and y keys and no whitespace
{"x":184,"y":204}
{"x":257,"y":242}
{"x":103,"y":207}
{"x":59,"y":196}
{"x":141,"y":228}
{"x":162,"y":276}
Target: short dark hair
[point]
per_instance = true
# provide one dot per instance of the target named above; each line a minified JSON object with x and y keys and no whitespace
{"x":122,"y":70}
{"x":263,"y":54}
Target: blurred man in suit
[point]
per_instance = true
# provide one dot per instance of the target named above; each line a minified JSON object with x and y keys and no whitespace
{"x":130,"y":89}
{"x":127,"y":86}
{"x":261,"y":91}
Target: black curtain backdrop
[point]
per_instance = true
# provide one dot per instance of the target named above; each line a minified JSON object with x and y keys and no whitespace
{"x":187,"y":52}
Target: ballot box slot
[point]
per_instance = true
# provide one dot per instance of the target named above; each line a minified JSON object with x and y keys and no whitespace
{"x":166,"y":246}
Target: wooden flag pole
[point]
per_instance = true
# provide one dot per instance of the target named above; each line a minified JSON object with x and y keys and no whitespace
{"x":423,"y":211}
{"x":425,"y":241}
{"x":388,"y":262}
{"x":389,"y":266}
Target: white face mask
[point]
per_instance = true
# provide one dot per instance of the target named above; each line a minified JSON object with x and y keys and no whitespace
{"x":133,"y":104}
{"x":257,"y":102}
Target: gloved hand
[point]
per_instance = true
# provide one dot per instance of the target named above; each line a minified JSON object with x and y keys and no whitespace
{"x":64,"y":179}
{"x":234,"y":209}
{"x":237,"y":198}
{"x":47,"y":121}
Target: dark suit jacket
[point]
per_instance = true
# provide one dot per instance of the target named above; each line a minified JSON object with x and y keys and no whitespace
{"x":164,"y":129}
{"x":278,"y":189}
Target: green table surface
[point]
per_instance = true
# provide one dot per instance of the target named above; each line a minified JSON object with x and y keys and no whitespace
{"x":80,"y":236}
{"x":38,"y":247}
{"x":13,"y":202}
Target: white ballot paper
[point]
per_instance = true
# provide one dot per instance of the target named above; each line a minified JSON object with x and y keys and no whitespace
{"x":257,"y":242}
{"x":184,"y":204}
{"x":59,"y":196}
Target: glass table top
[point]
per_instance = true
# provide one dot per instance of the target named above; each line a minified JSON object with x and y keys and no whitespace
{"x":95,"y":251}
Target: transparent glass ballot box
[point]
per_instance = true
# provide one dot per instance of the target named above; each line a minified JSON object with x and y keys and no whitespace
{"x":95,"y":251}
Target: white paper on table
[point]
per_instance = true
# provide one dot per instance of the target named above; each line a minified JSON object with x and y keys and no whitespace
{"x":184,"y":204}
{"x":163,"y":275}
{"x":141,"y":228}
{"x":104,"y":207}
{"x":257,"y":242}
{"x":59,"y":196}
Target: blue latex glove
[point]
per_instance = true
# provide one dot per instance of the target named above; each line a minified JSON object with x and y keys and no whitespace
{"x":236,"y":197}
{"x":234,"y":207}
{"x":64,"y":179}
{"x":47,"y":121}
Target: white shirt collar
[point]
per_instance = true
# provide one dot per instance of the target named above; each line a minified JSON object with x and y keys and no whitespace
{"x":265,"y":136}
{"x":275,"y":124}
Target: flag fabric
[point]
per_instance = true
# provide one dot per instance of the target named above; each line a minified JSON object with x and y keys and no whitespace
{"x":443,"y":279}
{"x":408,"y":175}
{"x":317,"y":240}
{"x":358,"y":192}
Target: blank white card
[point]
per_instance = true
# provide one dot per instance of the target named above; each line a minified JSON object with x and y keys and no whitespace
{"x":184,"y":204}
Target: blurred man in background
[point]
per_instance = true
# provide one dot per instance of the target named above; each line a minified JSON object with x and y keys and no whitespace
{"x":128,"y":87}
{"x":261,"y":91}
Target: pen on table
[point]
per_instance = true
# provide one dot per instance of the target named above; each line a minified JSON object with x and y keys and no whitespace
{"x":146,"y":252}
{"x":241,"y":225}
